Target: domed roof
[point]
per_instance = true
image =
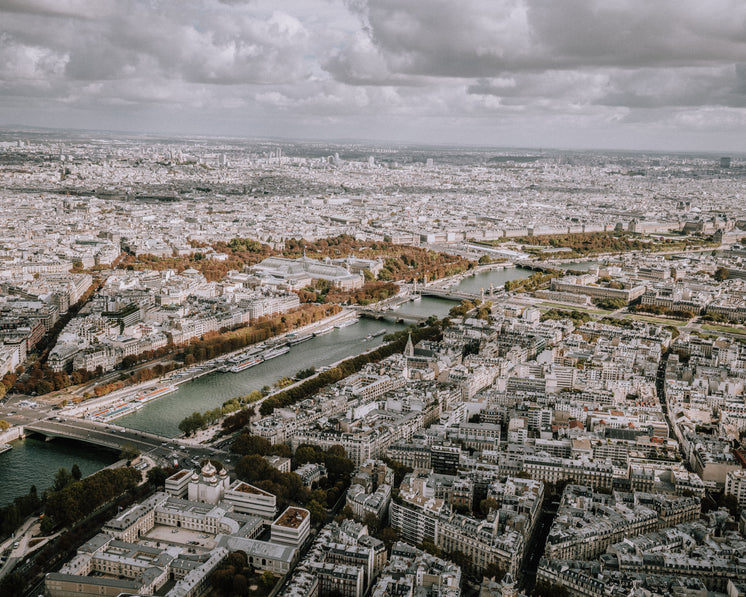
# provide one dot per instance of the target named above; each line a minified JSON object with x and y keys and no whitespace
{"x":208,"y":470}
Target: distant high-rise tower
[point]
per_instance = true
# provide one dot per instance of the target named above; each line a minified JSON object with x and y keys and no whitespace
{"x":371,"y":161}
{"x":429,"y":162}
{"x":725,"y":162}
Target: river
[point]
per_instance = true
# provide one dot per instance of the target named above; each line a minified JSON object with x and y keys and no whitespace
{"x":35,"y":462}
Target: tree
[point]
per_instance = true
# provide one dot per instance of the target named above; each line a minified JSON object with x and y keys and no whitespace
{"x":129,"y":452}
{"x":372,"y":522}
{"x":4,"y":425}
{"x":192,"y":423}
{"x":13,"y":584}
{"x":252,"y":468}
{"x":318,"y":512}
{"x":157,"y":476}
{"x":389,"y":536}
{"x":77,"y":475}
{"x":486,"y":505}
{"x":268,"y":579}
{"x":430,"y":547}
{"x":62,"y":478}
{"x":721,"y":274}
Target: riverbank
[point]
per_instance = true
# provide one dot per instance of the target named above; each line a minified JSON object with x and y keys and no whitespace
{"x":210,"y":434}
{"x":480,"y":269}
{"x":33,"y":461}
{"x":187,"y":374}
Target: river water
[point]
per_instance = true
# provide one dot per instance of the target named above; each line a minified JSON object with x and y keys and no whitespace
{"x":35,"y":462}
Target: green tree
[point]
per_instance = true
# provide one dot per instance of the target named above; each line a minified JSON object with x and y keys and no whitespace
{"x":318,"y":512}
{"x":488,"y":504}
{"x":721,"y":274}
{"x":345,"y":514}
{"x":62,"y":478}
{"x":157,"y":476}
{"x":372,"y":522}
{"x":192,"y":423}
{"x":129,"y":452}
{"x":389,"y":536}
{"x":76,"y":474}
{"x":268,"y":579}
{"x":430,"y":547}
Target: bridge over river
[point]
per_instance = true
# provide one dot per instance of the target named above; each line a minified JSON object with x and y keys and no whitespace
{"x":453,"y":295}
{"x":392,"y":315}
{"x":116,"y":438}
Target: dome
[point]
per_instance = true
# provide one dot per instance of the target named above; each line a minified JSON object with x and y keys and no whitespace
{"x":208,"y":470}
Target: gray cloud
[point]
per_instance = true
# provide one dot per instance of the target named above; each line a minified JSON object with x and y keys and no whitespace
{"x":474,"y":70}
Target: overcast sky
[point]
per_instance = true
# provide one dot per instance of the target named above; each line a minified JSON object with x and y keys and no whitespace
{"x":627,"y":74}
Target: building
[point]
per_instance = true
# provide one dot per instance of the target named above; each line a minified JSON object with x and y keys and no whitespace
{"x":343,"y":560}
{"x":735,"y":485}
{"x":279,"y":462}
{"x":310,"y":473}
{"x":291,"y":528}
{"x":445,"y":458}
{"x":248,"y":499}
{"x":301,"y":272}
{"x":165,"y":538}
{"x":363,"y":503}
{"x":208,"y":485}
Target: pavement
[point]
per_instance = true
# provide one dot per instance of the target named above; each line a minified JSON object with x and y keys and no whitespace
{"x":23,"y":535}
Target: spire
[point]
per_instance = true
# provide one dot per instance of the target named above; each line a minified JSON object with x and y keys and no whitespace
{"x":507,"y":586}
{"x":409,"y":348}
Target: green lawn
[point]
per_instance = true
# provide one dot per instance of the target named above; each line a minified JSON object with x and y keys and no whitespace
{"x":738,"y":330}
{"x":570,"y":307}
{"x":658,"y":320}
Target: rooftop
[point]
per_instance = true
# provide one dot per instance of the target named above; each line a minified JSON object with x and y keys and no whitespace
{"x":292,"y":518}
{"x":246,"y":488}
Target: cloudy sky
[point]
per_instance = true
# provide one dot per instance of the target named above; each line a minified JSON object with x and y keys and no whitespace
{"x":627,"y":74}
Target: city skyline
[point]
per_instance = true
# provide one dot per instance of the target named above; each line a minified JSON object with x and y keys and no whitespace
{"x":518,"y":73}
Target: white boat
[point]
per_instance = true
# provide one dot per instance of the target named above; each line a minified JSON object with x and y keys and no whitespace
{"x":323,"y":331}
{"x":276,"y":352}
{"x":346,"y":322}
{"x":242,"y":366}
{"x":298,"y":339}
{"x":153,"y":394}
